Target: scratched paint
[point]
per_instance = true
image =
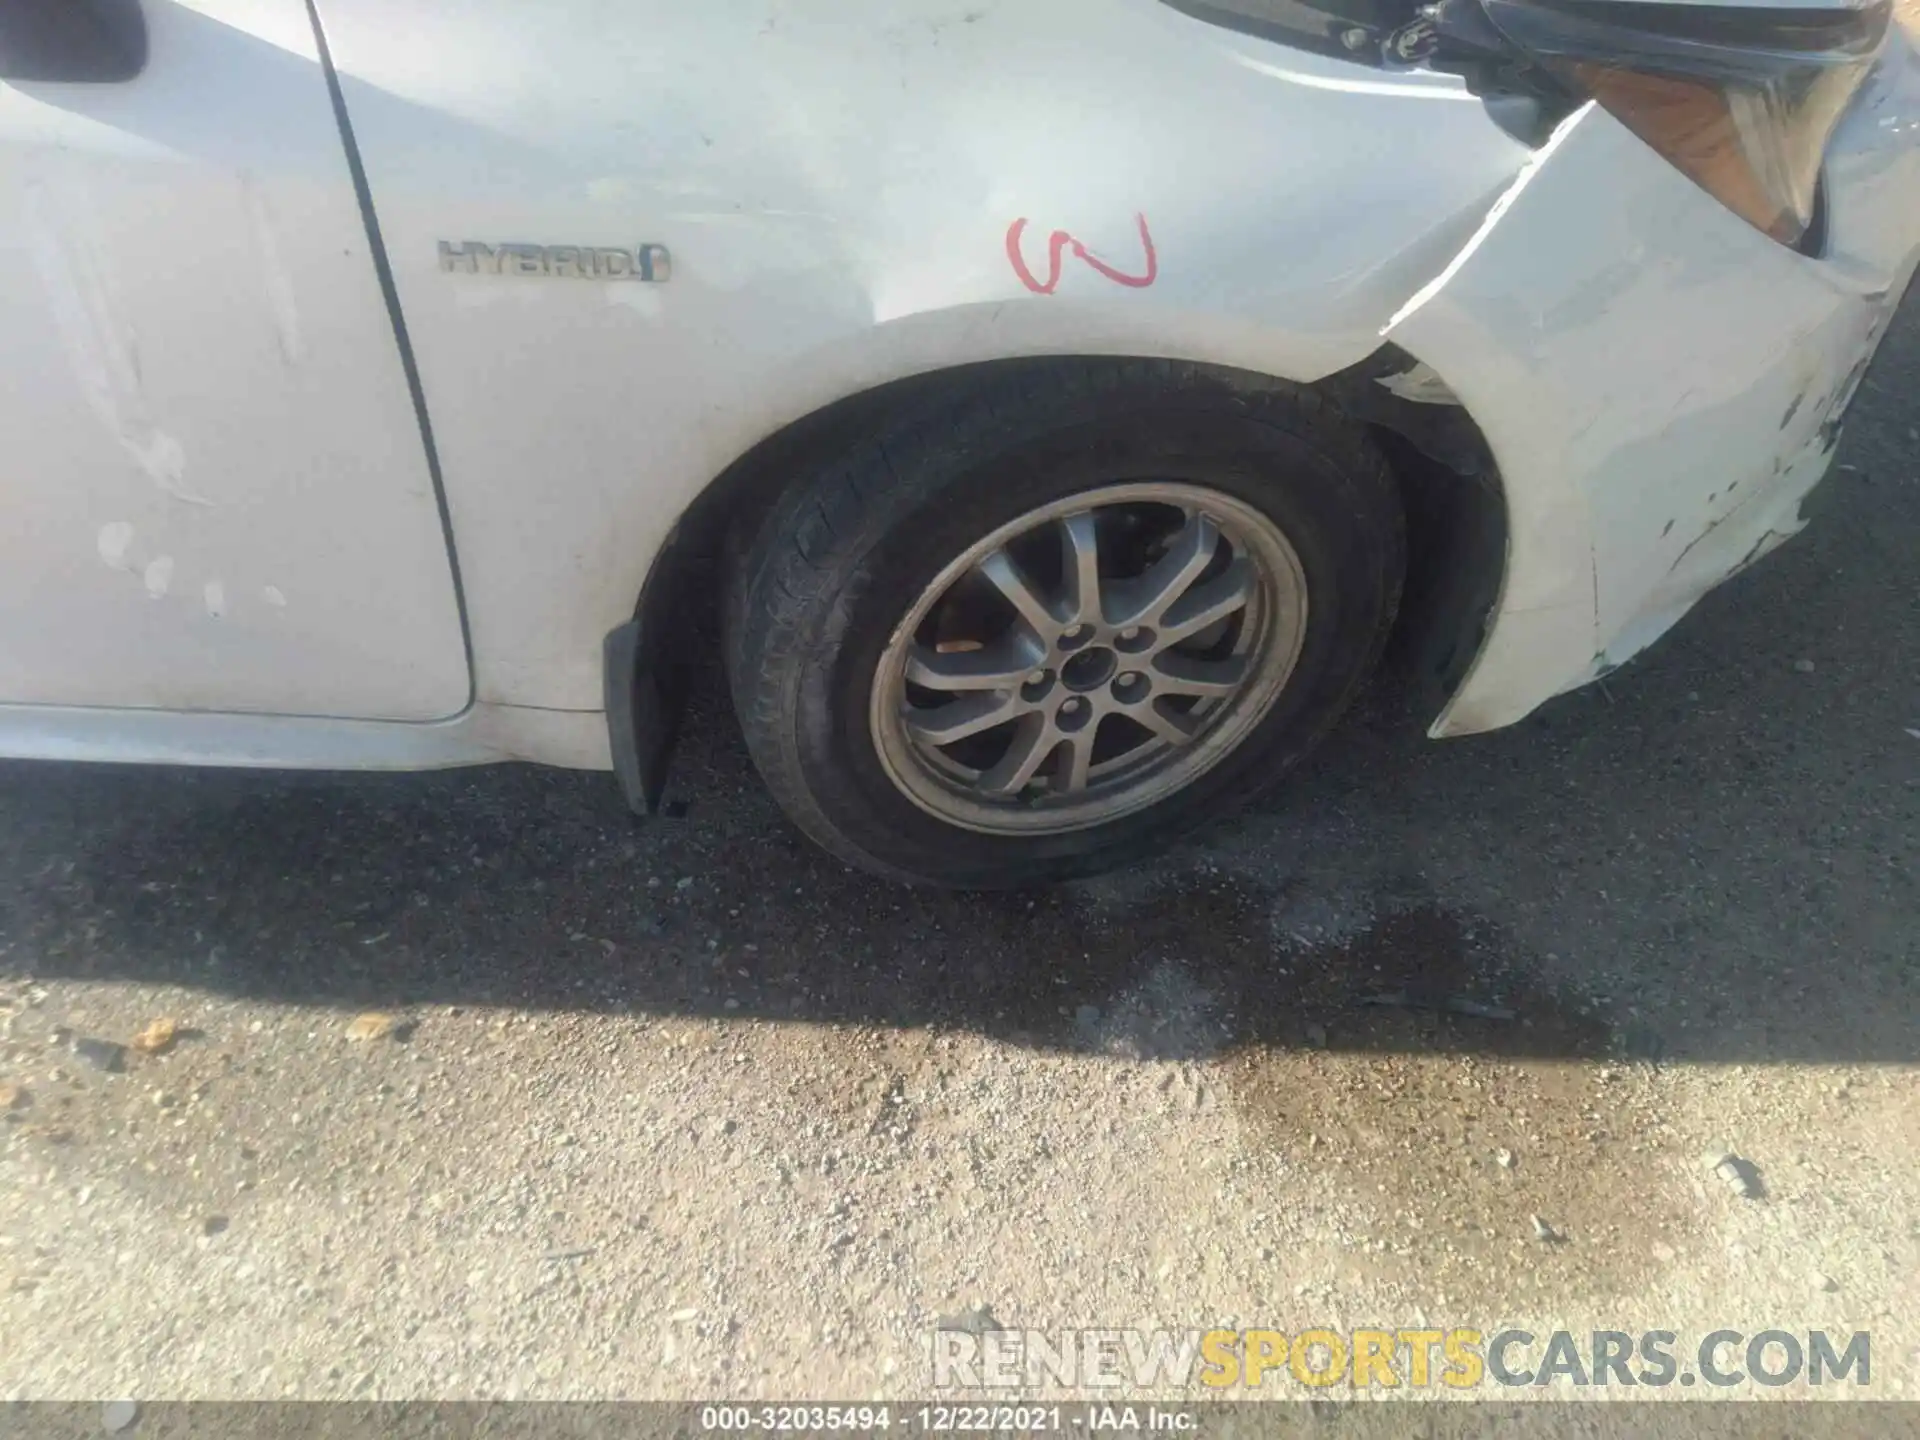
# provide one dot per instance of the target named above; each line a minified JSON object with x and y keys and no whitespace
{"x":112,"y":542}
{"x":101,"y":347}
{"x":1061,"y":241}
{"x":214,"y":594}
{"x":271,"y":594}
{"x":275,"y":278}
{"x":158,"y":576}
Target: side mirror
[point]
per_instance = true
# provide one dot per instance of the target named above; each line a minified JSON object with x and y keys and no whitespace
{"x":85,"y":41}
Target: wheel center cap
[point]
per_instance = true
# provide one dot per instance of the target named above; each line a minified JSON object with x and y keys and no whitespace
{"x":1088,"y":670}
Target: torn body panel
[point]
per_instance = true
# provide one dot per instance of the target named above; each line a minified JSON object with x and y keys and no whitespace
{"x":1659,"y":383}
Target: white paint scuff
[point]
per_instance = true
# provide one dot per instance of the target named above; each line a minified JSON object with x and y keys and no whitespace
{"x":215,"y":594}
{"x":271,"y":594}
{"x":159,"y":576}
{"x":114,"y":539}
{"x":274,"y":275}
{"x":100,"y":345}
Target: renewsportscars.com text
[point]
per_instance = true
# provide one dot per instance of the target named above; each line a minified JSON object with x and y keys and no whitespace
{"x":1388,"y":1359}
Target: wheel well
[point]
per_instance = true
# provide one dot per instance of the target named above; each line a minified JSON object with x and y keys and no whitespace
{"x":1450,"y":488}
{"x":1456,"y":512}
{"x":687,"y":574}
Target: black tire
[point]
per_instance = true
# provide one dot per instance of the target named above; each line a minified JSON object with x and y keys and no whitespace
{"x":850,"y":543}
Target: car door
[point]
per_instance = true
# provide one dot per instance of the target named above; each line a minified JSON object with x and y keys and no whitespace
{"x":216,"y":490}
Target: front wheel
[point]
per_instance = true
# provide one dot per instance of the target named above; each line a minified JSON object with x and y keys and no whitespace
{"x":1052,"y":622}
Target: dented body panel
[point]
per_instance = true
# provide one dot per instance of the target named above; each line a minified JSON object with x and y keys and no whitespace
{"x":215,"y":491}
{"x":1660,"y":384}
{"x":841,"y":189}
{"x":697,"y":225}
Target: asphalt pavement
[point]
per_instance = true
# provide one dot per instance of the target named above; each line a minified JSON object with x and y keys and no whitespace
{"x":773,"y":1117}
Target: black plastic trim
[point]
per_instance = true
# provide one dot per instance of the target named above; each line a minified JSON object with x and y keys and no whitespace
{"x":1358,"y":36}
{"x":86,"y":42}
{"x":645,"y":698}
{"x":384,"y":272}
{"x":1813,"y":244}
{"x":1737,"y":26}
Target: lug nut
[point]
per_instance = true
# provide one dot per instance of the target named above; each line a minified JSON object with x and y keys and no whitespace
{"x":1038,"y":677}
{"x":1132,"y":632}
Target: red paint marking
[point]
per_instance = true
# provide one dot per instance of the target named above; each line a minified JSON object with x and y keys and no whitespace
{"x":1060,"y":240}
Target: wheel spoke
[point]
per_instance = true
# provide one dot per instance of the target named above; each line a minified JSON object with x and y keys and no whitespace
{"x":997,"y":705}
{"x":1178,"y":674}
{"x":1204,"y":604}
{"x":1003,"y":572}
{"x":968,"y":715}
{"x":1073,"y":771}
{"x":1145,"y":600}
{"x":1081,"y":540}
{"x":1034,"y":739}
{"x":1170,"y":726}
{"x":1002,"y":665}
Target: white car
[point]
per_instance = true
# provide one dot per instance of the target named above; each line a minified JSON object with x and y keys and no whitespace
{"x":1046,"y":408}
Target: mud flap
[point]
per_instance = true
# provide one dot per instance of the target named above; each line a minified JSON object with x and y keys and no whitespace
{"x":646,"y":694}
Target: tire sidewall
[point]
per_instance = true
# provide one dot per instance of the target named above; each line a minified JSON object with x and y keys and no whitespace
{"x":1351,"y":562}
